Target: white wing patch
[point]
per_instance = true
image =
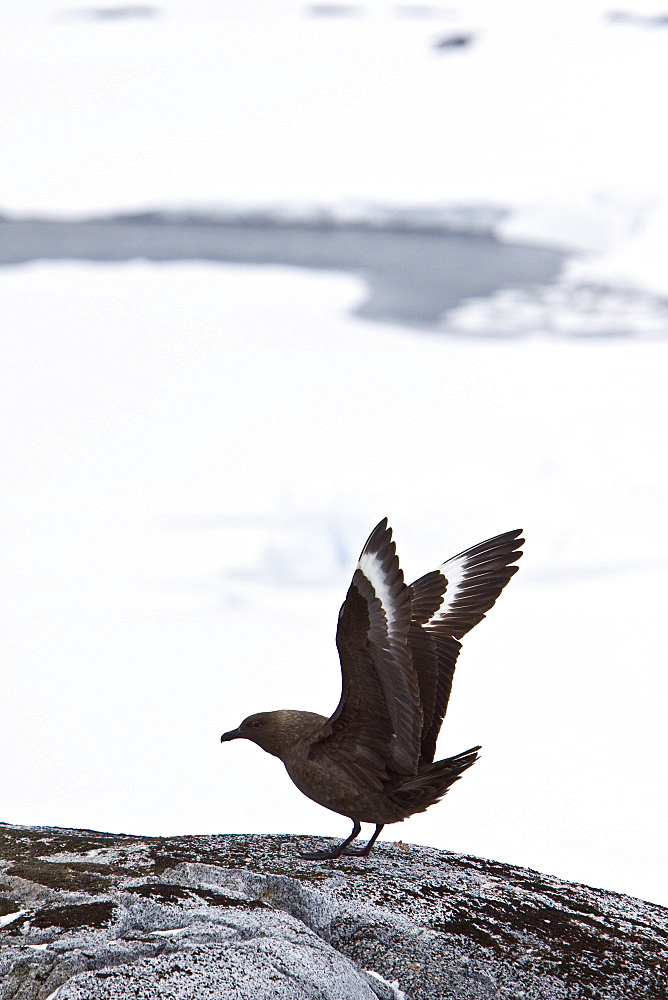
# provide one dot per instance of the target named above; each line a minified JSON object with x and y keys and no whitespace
{"x":475,"y":578}
{"x":372,"y":567}
{"x":455,"y":572}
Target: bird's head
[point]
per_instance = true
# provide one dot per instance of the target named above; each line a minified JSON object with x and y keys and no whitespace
{"x":276,"y":732}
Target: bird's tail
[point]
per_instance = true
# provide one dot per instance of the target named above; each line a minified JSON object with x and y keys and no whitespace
{"x":417,"y":792}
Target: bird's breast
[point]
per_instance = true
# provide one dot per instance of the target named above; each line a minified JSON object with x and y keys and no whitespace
{"x":328,"y":784}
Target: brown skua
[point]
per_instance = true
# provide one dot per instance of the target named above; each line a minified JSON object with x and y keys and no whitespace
{"x":373,"y":759}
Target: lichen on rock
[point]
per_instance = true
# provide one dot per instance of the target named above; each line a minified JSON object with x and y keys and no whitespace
{"x":104,"y":916}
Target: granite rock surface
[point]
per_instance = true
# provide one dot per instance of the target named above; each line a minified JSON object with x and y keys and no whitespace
{"x":96,"y":916}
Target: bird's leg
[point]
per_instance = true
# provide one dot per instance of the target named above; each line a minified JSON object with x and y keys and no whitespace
{"x":364,"y":852}
{"x":335,"y":852}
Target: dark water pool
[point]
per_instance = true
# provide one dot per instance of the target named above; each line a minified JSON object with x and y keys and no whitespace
{"x":413,"y":276}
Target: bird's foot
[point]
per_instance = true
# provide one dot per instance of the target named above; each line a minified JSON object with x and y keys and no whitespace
{"x":331,"y":855}
{"x":335,"y":852}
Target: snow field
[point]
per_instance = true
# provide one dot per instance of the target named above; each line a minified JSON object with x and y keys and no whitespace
{"x":554,"y":112}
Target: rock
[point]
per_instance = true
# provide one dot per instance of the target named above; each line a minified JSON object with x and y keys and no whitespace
{"x":96,"y":916}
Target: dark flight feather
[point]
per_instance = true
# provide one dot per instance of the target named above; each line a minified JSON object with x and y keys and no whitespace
{"x":372,"y":642}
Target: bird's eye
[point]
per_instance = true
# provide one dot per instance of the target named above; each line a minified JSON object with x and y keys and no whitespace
{"x":257,"y":724}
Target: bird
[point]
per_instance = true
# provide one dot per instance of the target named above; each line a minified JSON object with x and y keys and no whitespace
{"x":373,"y":759}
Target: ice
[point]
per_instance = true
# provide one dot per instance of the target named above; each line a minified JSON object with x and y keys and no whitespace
{"x":553,"y":114}
{"x":571,"y":308}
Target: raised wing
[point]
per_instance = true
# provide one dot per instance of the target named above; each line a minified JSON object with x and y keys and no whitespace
{"x":474,"y":580}
{"x":447,"y":603}
{"x":379,"y":718}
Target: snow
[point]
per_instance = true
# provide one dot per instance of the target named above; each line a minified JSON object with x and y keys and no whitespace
{"x":553,"y":112}
{"x":9,"y":918}
{"x":397,"y":994}
{"x":194,"y":456}
{"x":570,"y":308}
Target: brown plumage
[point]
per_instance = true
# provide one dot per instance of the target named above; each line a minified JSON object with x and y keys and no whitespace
{"x":373,"y":759}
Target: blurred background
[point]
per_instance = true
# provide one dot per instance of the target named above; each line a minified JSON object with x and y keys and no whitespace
{"x":270,"y":271}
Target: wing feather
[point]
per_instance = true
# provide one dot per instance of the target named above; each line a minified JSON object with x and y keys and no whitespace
{"x":398,"y":648}
{"x":475,"y":578}
{"x":447,"y":603}
{"x":379,"y":716}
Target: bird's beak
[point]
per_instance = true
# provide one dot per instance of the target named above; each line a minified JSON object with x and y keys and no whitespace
{"x":234,"y":734}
